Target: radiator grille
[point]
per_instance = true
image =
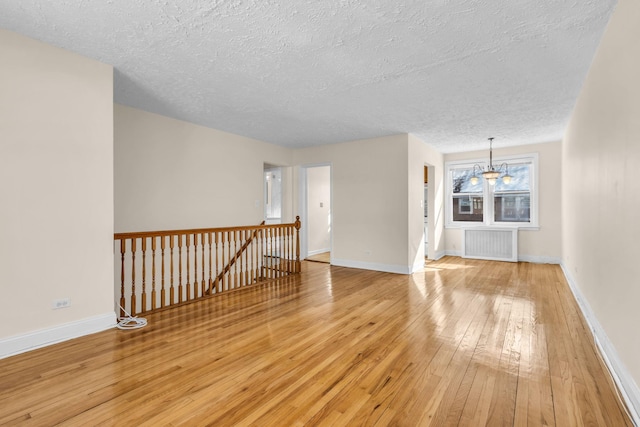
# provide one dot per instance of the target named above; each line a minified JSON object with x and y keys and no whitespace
{"x":499,"y":244}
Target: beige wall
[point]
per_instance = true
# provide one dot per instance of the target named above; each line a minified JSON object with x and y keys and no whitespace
{"x":545,"y":244}
{"x":56,"y":221}
{"x":170,"y":174}
{"x":421,"y":154}
{"x":601,"y":189}
{"x":319,"y":193}
{"x":369,"y":200}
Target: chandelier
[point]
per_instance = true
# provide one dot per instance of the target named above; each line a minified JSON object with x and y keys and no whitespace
{"x":491,"y":174}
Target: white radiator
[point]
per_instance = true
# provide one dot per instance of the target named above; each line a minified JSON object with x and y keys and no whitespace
{"x":500,"y":244}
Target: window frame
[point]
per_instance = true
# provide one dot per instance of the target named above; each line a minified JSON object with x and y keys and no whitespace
{"x":488,"y":193}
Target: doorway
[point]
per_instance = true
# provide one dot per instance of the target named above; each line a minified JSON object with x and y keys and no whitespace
{"x":272,"y":194}
{"x":425,"y":205}
{"x":317,"y":213}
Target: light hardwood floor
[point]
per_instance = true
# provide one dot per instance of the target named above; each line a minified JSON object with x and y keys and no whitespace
{"x":321,"y":257}
{"x":466,"y":342}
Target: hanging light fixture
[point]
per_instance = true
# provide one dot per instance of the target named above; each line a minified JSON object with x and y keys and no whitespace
{"x":491,"y":174}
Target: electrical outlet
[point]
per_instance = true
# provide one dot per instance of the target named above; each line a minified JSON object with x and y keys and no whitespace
{"x":61,"y":303}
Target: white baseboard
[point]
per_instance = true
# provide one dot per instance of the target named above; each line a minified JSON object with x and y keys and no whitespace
{"x":317,"y":251}
{"x":525,"y":258}
{"x":44,"y":337}
{"x":387,"y":268}
{"x":627,"y":386}
{"x":439,"y":255}
{"x":539,"y":259}
{"x":418,"y":265}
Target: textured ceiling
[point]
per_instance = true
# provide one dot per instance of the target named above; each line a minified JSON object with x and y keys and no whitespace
{"x":308,"y":72}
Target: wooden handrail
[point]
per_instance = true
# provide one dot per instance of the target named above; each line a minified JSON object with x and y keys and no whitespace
{"x":200,"y":262}
{"x":139,"y":234}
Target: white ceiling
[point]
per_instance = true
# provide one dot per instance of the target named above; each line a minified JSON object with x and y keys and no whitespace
{"x":307,"y":72}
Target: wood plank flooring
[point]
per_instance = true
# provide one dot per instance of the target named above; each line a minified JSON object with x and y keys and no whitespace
{"x":321,"y":257}
{"x":465,"y":342}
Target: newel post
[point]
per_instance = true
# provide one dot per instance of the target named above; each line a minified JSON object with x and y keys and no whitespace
{"x":297,"y":226}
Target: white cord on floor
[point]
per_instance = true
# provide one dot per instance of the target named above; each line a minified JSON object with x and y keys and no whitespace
{"x":130,"y":322}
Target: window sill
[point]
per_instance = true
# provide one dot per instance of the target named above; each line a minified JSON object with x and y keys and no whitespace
{"x":531,"y":227}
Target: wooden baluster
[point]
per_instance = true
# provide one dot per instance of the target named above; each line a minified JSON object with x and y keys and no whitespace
{"x":263,"y":255}
{"x":259,"y":257}
{"x":247,"y":273}
{"x":236,"y":236}
{"x":253,"y":256}
{"x":292,"y":245}
{"x":232,"y":259}
{"x":276,"y":253}
{"x":269,"y":249}
{"x":217,"y":282}
{"x":225,"y":275}
{"x":273,"y":251}
{"x":172,"y":292}
{"x":243,"y":264}
{"x":195,"y":266}
{"x":123,"y":249}
{"x":153,"y":272}
{"x":133,"y":277}
{"x":297,"y":225}
{"x":210,"y":291}
{"x":241,"y":267}
{"x":239,"y":257}
{"x":256,"y":241}
{"x":280,"y":251}
{"x":238,"y":264}
{"x":228,"y":260}
{"x":237,"y":241}
{"x":290,"y":231}
{"x":285,"y":258}
{"x":288,"y":249}
{"x":162,"y":291}
{"x":143,"y":306}
{"x":283,"y":251}
{"x":202,"y":283}
{"x":188,"y":243}
{"x":260,"y":254}
{"x":248,"y":234}
{"x":247,"y":258}
{"x":180,"y":289}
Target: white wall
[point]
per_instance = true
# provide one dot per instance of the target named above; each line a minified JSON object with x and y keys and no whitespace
{"x":601,"y":190}
{"x":545,"y":244}
{"x":318,"y":209}
{"x":420,"y":153}
{"x":170,"y":174}
{"x":56,"y":220}
{"x":370,"y":188}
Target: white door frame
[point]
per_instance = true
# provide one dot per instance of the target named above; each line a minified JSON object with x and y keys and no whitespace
{"x":303,"y":209}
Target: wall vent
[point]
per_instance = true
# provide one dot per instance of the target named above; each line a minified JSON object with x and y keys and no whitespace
{"x":499,"y":244}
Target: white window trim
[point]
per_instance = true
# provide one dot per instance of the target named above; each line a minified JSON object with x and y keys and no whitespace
{"x":488,"y":205}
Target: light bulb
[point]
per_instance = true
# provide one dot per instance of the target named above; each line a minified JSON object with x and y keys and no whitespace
{"x":474,"y":180}
{"x":491,"y":181}
{"x":506,"y":179}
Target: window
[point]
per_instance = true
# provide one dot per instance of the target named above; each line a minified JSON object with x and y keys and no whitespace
{"x":508,"y":204}
{"x":467,"y":198}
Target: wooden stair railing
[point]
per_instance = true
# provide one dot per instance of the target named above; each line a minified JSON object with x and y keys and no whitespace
{"x":160,"y":269}
{"x":233,"y":260}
